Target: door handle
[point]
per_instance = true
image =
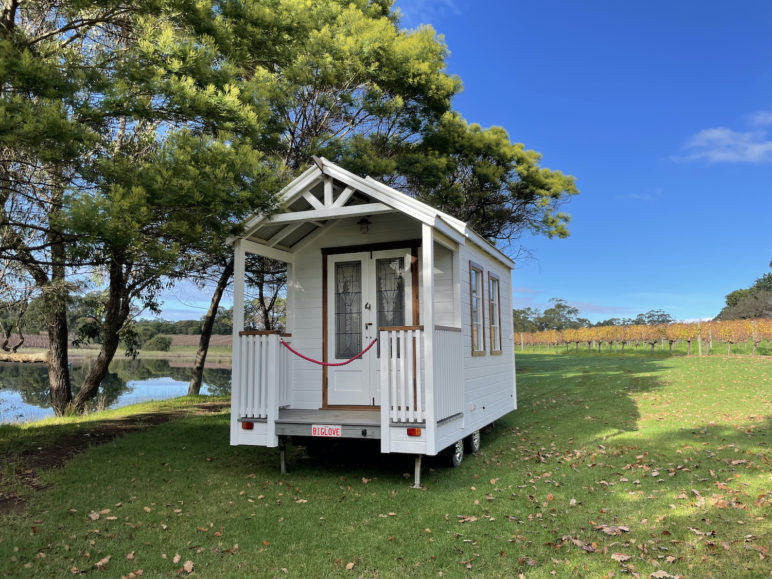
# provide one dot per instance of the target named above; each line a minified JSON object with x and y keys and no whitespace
{"x":368,"y":324}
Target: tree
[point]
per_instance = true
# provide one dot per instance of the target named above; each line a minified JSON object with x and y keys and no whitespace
{"x":482,"y":178}
{"x":350,"y":84}
{"x":753,"y":302}
{"x":524,"y":319}
{"x":559,"y":317}
{"x":129,"y":142}
{"x":653,"y":318}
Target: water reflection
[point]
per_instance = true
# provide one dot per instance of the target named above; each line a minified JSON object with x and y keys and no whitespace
{"x":24,"y":392}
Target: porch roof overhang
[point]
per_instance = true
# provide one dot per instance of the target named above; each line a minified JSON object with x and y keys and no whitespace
{"x":325,"y":194}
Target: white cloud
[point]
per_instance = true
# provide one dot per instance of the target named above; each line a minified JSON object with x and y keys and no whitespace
{"x":725,"y":145}
{"x":761,"y":118}
{"x":417,"y":12}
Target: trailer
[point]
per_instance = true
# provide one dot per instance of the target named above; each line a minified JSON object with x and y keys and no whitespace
{"x":398,"y":323}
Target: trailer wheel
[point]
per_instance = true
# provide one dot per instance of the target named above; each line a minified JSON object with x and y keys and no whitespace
{"x":456,"y":454}
{"x":472,"y":443}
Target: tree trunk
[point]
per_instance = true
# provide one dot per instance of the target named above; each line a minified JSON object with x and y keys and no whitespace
{"x":688,"y":347}
{"x":117,"y":311}
{"x":58,"y":370}
{"x":194,"y":387}
{"x":56,"y":320}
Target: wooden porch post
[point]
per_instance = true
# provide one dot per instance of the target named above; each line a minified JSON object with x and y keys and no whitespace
{"x":427,"y":317}
{"x":238,"y":326}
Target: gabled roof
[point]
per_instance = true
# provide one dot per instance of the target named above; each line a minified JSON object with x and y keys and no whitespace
{"x":325,"y":193}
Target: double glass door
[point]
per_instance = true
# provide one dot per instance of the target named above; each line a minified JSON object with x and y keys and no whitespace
{"x":365,"y":291}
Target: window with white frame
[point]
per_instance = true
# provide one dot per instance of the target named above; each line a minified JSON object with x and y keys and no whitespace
{"x":477,"y":309}
{"x":495,"y":313}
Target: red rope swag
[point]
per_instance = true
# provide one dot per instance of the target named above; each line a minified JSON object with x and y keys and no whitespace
{"x":362,"y":353}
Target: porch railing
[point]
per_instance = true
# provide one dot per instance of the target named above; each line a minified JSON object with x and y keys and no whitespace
{"x":448,"y":372}
{"x":402,"y":375}
{"x":263,"y":374}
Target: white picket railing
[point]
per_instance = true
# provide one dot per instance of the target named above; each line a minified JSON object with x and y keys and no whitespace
{"x":402,"y":375}
{"x":263,"y":374}
{"x":448,"y":372}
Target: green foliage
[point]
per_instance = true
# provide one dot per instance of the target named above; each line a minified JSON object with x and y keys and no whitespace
{"x":560,"y":316}
{"x":479,"y":176}
{"x":158,"y":344}
{"x":751,"y":303}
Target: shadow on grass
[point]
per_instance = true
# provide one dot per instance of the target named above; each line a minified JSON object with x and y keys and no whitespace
{"x":582,"y":397}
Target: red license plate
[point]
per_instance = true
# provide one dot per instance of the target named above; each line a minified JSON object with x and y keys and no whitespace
{"x":331,"y":430}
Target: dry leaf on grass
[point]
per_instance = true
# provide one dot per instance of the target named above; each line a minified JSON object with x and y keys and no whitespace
{"x":612,"y":529}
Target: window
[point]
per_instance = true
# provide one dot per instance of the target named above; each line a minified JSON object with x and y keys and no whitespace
{"x":495,"y":313}
{"x":476,"y":306}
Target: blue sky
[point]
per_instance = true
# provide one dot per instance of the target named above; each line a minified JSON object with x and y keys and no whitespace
{"x":663,"y":113}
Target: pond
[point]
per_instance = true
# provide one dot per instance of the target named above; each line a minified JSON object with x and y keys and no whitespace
{"x":24,"y":387}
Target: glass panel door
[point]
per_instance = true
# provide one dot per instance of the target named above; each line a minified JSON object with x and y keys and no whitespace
{"x":348,"y":309}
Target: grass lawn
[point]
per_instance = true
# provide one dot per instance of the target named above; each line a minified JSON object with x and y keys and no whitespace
{"x":636,"y":463}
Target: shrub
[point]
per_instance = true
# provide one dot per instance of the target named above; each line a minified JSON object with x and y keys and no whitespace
{"x":158,"y":343}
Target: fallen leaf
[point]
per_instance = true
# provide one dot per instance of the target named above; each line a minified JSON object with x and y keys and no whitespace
{"x":102,"y":562}
{"x":130,"y":556}
{"x":349,"y":566}
{"x":176,"y":558}
{"x":188,"y":566}
{"x":621,"y":557}
{"x":612,"y":529}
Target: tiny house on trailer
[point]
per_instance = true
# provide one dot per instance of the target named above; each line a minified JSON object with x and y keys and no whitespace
{"x":398,"y":323}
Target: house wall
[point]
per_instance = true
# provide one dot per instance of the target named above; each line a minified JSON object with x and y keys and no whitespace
{"x":306,"y":289}
{"x":490,"y":379}
{"x":490,"y":390}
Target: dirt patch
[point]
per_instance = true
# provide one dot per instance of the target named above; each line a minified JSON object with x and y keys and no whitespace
{"x":27,"y":464}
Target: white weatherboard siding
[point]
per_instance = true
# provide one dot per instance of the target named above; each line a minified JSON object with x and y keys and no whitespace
{"x":307,"y":290}
{"x":489,"y":379}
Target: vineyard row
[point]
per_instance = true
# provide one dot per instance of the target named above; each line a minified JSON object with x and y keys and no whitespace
{"x":704,"y":334}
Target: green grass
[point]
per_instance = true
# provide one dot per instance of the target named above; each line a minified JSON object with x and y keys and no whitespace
{"x":674,"y":449}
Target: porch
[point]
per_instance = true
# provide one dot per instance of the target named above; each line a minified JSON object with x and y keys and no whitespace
{"x":262,"y":387}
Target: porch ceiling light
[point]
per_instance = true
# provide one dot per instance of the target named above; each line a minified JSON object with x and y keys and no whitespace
{"x":364,"y":224}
